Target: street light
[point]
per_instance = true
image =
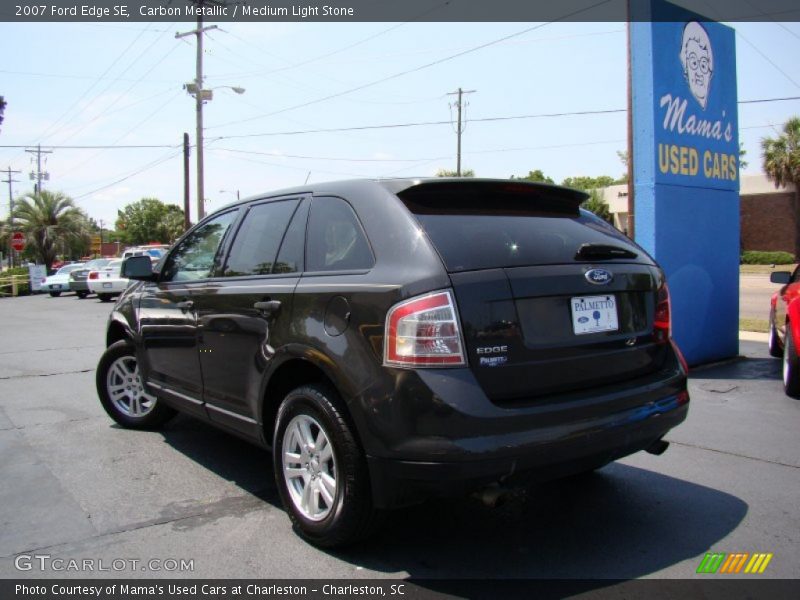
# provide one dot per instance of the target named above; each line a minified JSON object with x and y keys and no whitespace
{"x":202,"y":96}
{"x":230,"y":192}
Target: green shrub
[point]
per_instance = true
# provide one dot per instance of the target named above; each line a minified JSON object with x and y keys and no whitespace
{"x":756,"y":257}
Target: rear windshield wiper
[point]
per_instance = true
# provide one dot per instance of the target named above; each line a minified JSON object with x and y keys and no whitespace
{"x":602,"y":252}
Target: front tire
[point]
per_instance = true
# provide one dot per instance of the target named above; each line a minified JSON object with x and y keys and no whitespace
{"x":122,"y":393}
{"x":55,"y":294}
{"x":791,"y":365}
{"x":320,"y":469}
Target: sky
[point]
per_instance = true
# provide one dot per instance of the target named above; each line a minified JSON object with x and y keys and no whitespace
{"x":121,"y":84}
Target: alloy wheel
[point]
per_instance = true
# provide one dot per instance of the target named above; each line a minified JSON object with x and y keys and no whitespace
{"x":309,"y":467}
{"x":125,"y":388}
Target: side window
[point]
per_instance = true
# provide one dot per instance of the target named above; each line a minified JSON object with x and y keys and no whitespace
{"x":336,"y":241}
{"x":795,"y":276}
{"x":290,"y":256}
{"x":194,"y":258}
{"x":256,"y":243}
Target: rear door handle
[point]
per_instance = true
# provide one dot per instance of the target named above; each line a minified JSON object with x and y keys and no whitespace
{"x":268,"y":306}
{"x":185,"y":305}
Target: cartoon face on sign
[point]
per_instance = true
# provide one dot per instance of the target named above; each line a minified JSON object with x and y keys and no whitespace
{"x":697,"y":59}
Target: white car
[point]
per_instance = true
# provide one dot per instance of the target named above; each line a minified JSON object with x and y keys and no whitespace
{"x":106,"y":282}
{"x":55,"y":284}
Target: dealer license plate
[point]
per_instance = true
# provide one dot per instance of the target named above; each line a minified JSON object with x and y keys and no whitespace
{"x":594,"y":314}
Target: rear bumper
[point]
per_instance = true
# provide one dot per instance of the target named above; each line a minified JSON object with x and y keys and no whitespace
{"x":397,"y":482}
{"x":474,"y":443}
{"x":96,"y":287}
{"x":78,"y":286}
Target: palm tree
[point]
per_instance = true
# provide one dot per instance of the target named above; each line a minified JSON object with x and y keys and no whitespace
{"x":782,"y":165}
{"x":51,"y":222}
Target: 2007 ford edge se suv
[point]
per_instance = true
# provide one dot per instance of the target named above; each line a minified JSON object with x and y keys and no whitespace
{"x":391,"y":340}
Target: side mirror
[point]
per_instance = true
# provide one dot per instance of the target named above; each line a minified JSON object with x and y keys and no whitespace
{"x":781,"y":277}
{"x":137,"y":267}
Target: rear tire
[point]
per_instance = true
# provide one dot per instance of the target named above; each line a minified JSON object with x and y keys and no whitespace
{"x":791,"y":365}
{"x":122,"y":393}
{"x":775,"y":348}
{"x":104,"y":297}
{"x":55,"y":294}
{"x":320,"y":469}
{"x":82,"y":294}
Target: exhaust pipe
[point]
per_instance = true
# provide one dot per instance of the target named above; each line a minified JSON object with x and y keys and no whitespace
{"x":492,"y":496}
{"x":658,"y":447}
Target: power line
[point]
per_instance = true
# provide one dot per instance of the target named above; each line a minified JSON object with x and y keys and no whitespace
{"x":138,"y":171}
{"x":105,"y":147}
{"x":122,"y":95}
{"x":767,"y":58}
{"x":366,"y":127}
{"x":64,"y":76}
{"x":158,"y":109}
{"x":291,"y":65}
{"x":338,"y":158}
{"x":480,"y":120}
{"x":97,"y":80}
{"x":414,"y":70}
{"x":769,"y":100}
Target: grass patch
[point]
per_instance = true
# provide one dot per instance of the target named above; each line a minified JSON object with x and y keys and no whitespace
{"x":757,"y":325}
{"x":764,"y":269}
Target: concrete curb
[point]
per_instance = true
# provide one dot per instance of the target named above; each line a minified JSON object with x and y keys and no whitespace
{"x":753,"y":336}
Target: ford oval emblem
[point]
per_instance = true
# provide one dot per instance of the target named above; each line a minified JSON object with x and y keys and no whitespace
{"x":599,"y":276}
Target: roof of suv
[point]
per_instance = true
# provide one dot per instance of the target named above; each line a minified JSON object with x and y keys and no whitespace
{"x":398,"y":185}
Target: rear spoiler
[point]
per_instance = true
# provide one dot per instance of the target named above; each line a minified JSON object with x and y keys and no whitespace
{"x":486,"y":196}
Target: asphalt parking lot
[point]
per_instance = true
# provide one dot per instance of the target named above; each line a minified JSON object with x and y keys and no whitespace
{"x":74,"y":485}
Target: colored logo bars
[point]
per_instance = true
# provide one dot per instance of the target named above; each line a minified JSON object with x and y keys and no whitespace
{"x":720,"y":562}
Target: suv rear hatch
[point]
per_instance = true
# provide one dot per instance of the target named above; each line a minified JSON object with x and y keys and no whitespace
{"x":551,"y":298}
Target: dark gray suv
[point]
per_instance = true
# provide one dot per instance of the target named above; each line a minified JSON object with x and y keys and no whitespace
{"x":392,"y":340}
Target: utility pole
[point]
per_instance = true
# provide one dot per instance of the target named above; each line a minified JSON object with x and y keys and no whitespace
{"x":200,"y":96}
{"x":186,"y":220}
{"x":631,"y":229}
{"x":9,"y":181}
{"x":39,"y":176}
{"x":459,"y":129}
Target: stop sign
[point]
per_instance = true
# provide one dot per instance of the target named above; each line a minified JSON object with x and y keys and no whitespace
{"x":18,"y":241}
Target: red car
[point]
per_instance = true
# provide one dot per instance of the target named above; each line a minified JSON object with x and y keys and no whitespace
{"x":784,"y":327}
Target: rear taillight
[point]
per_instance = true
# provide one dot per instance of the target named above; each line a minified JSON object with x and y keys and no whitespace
{"x":423,"y":332}
{"x":94,"y":275}
{"x":662,"y":322}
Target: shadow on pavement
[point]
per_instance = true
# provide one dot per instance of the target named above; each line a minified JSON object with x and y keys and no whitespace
{"x":621,"y":522}
{"x":744,"y":368}
{"x":233,"y":459}
{"x":618,"y":523}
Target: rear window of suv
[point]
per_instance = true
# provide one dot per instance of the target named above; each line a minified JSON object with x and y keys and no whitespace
{"x":484,"y":227}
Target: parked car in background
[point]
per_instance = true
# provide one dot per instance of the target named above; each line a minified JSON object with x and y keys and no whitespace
{"x":107,"y":282}
{"x":393,"y":340}
{"x":784,"y":327}
{"x":154,"y":251}
{"x":58,"y":283}
{"x":77,"y":278}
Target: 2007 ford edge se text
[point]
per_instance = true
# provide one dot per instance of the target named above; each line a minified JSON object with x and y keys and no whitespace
{"x":393,"y":340}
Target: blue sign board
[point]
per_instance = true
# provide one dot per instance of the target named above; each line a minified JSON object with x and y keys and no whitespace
{"x":686,"y":170}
